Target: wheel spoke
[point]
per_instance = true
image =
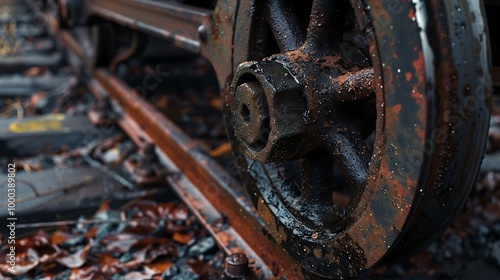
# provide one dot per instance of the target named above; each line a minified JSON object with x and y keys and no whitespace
{"x":317,"y":178}
{"x":352,"y":156}
{"x":326,"y":27}
{"x":355,"y":86}
{"x":284,"y":24}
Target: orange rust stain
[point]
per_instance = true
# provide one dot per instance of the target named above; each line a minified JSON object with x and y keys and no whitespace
{"x":398,"y":188}
{"x":299,"y":55}
{"x":388,"y":77}
{"x":408,"y":76}
{"x":420,"y":132}
{"x":415,"y":94}
{"x":411,"y":14}
{"x":418,"y":65}
{"x":367,"y":232}
{"x":397,"y":108}
{"x":411,"y":183}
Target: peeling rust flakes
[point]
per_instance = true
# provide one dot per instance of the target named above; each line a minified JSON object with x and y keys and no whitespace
{"x":397,"y":108}
{"x":298,"y":55}
{"x":418,"y":65}
{"x":408,"y":76}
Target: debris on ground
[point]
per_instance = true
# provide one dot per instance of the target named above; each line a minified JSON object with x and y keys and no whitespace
{"x":142,"y":240}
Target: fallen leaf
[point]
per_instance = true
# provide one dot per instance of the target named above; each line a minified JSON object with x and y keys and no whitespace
{"x":87,"y":272}
{"x":77,"y":259}
{"x":122,"y":242}
{"x":104,"y":207}
{"x":179,"y":213}
{"x":91,"y":233}
{"x":223,"y":150}
{"x":183,"y":238}
{"x":108,"y":264}
{"x":138,"y":275}
{"x":160,"y":264}
{"x":24,"y":262}
{"x":59,"y":237}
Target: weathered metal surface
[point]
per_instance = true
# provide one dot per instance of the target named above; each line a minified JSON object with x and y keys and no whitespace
{"x":281,"y":114}
{"x":219,"y":46}
{"x":280,"y":17}
{"x":204,"y":31}
{"x":175,"y":22}
{"x":459,"y":105}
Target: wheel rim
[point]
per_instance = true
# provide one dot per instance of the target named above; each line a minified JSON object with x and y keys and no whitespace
{"x":381,"y":212}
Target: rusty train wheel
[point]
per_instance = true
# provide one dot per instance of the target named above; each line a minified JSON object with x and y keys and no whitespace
{"x":392,"y":95}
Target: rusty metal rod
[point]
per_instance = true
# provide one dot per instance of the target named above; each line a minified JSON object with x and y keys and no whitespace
{"x":174,"y":22}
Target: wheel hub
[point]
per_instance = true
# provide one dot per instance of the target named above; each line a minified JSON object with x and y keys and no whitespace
{"x":282,"y":103}
{"x":266,"y":95}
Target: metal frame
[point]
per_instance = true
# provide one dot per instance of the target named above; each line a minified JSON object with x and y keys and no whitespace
{"x":202,"y":31}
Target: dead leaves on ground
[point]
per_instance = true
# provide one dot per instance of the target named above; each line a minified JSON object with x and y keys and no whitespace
{"x":149,"y":239}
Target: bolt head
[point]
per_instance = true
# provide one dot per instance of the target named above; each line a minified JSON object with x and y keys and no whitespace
{"x":236,"y":265}
{"x":203,"y":32}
